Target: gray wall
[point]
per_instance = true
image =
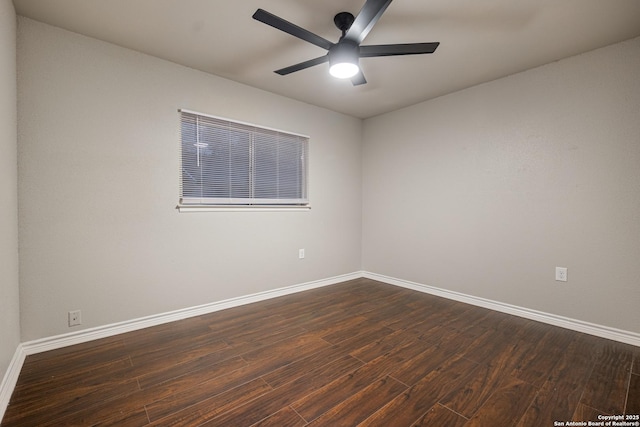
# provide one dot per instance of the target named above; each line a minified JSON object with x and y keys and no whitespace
{"x":99,"y":180}
{"x":9,"y":303}
{"x":486,"y":190}
{"x":483,"y":191}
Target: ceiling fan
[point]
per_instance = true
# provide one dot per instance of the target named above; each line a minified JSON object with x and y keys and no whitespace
{"x":343,"y":56}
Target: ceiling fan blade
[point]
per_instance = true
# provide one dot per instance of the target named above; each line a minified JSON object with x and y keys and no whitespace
{"x":302,"y":65}
{"x":289,"y":28}
{"x":397,"y":49}
{"x":358,"y":79}
{"x":366,"y":19}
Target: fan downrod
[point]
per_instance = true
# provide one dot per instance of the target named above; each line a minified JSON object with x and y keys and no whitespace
{"x":343,"y":21}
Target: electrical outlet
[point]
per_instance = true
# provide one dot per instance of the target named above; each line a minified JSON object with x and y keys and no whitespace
{"x":75,"y":318}
{"x":300,"y":253}
{"x":561,"y":274}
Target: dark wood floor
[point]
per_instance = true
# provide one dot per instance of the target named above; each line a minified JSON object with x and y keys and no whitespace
{"x":357,"y":353}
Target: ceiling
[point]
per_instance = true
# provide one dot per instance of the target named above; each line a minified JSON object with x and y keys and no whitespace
{"x":480,"y":41}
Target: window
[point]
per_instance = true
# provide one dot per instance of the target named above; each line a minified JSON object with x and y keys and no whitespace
{"x":230,"y":163}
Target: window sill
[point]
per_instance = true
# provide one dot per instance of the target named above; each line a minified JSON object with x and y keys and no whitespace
{"x":241,"y":208}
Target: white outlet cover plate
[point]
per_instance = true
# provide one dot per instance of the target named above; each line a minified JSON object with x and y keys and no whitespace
{"x":75,"y":318}
{"x":561,"y":274}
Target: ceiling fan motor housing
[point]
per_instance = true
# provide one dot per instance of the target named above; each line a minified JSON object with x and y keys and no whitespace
{"x":345,"y":51}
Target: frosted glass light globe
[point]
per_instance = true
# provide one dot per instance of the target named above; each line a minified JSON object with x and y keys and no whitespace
{"x":344,"y":70}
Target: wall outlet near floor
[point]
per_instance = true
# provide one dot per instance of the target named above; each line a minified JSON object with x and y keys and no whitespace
{"x":300,"y":253}
{"x":561,"y":274}
{"x":75,"y":318}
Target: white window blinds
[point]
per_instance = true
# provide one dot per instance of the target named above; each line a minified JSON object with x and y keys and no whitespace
{"x":229,"y":163}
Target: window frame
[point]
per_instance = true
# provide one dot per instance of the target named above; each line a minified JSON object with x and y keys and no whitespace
{"x":294,"y":147}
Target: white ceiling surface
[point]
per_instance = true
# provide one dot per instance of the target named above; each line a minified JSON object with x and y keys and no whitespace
{"x":481,"y":40}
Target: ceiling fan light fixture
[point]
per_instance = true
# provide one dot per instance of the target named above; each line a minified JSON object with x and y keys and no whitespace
{"x":344,"y":70}
{"x":343,"y":60}
{"x":344,"y":56}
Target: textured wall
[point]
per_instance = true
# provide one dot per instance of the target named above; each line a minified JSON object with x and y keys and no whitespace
{"x":486,"y":190}
{"x":99,"y":179}
{"x":9,"y":304}
{"x":483,"y":191}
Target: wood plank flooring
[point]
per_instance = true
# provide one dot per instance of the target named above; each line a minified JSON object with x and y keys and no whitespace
{"x":360,"y":353}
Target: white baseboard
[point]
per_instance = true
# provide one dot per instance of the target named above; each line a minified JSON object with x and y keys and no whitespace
{"x":11,"y":378}
{"x":64,"y":340}
{"x":51,"y":343}
{"x":627,"y":337}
